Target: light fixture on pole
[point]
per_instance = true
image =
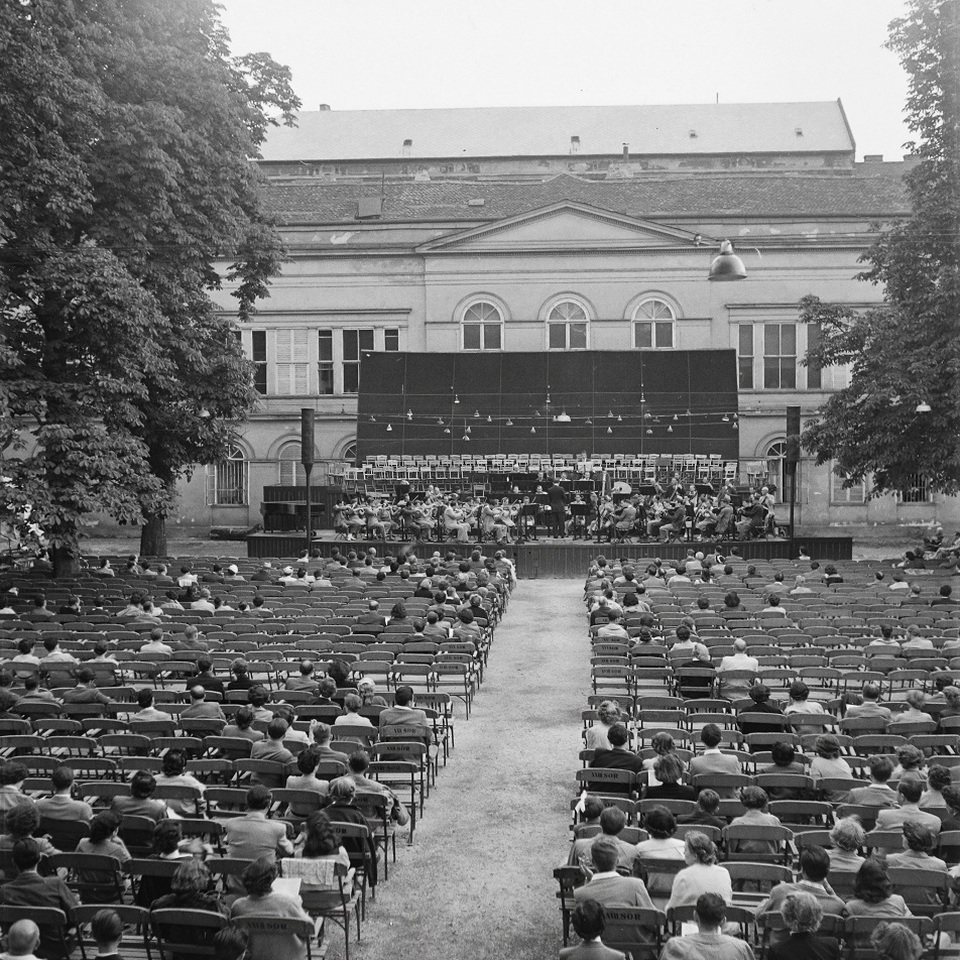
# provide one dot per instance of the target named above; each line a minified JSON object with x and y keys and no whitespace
{"x":727,"y":266}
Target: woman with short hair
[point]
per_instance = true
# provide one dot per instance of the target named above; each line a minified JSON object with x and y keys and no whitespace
{"x":894,"y":941}
{"x":873,"y":894}
{"x":261,"y":901}
{"x":702,"y":873}
{"x":608,"y":713}
{"x":669,"y":770}
{"x":847,"y":837}
{"x":802,"y":915}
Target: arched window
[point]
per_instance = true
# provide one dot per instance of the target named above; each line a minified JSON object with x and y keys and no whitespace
{"x":290,"y":471}
{"x":653,"y":325}
{"x":349,"y":453}
{"x":776,"y":471}
{"x":567,"y":326}
{"x":228,"y":480}
{"x":482,"y":326}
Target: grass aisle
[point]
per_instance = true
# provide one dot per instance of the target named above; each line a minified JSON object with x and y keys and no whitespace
{"x":478,"y":881}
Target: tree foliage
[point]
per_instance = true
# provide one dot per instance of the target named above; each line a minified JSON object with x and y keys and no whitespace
{"x":905,"y":355}
{"x":125,"y":178}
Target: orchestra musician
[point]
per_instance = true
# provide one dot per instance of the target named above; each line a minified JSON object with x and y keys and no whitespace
{"x":454,"y":520}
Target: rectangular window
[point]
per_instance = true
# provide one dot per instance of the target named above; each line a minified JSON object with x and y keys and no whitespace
{"x":780,"y":356}
{"x":578,"y":336}
{"x":482,"y":336}
{"x":325,"y":362}
{"x":558,"y":336}
{"x":260,"y":361}
{"x":917,"y":491}
{"x":227,"y":483}
{"x":745,"y":356}
{"x":814,"y":371}
{"x":838,"y":494}
{"x":355,"y":343}
{"x":652,"y":335}
{"x":391,"y":340}
{"x":293,"y":370}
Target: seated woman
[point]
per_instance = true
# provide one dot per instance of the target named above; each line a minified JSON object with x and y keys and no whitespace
{"x":662,"y":745}
{"x":669,"y":770}
{"x":701,"y":875}
{"x":894,"y":941}
{"x":661,"y":825}
{"x":910,"y":761}
{"x":174,"y":765}
{"x":192,"y":889}
{"x":104,"y":840}
{"x":828,"y":764}
{"x":847,"y":837}
{"x":755,"y":800}
{"x":261,"y":901}
{"x":318,"y":862}
{"x":873,"y":894}
{"x":800,"y":704}
{"x":918,"y":841}
{"x":785,"y":762}
{"x":914,"y":713}
{"x":933,"y":800}
{"x":595,"y":737}
{"x":802,"y":915}
{"x":19,"y":823}
{"x":341,"y":809}
{"x":166,"y":846}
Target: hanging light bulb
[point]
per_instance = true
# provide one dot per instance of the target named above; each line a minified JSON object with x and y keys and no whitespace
{"x":670,"y":429}
{"x":656,"y":419}
{"x":389,"y":428}
{"x":648,"y":416}
{"x":675,"y":417}
{"x":456,"y":398}
{"x":465,"y":437}
{"x":409,"y":414}
{"x":562,"y":417}
{"x":468,"y":430}
{"x":643,"y":399}
{"x":476,"y":414}
{"x":619,"y":419}
{"x":533,"y":429}
{"x":725,"y":419}
{"x":610,"y":415}
{"x":509,"y":423}
{"x":373,"y":419}
{"x":489,"y":418}
{"x":446,"y":430}
{"x":609,"y":429}
{"x":689,"y":414}
{"x":649,"y":429}
{"x":588,"y":422}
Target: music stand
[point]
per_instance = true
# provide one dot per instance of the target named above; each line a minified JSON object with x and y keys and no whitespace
{"x":584,"y":486}
{"x":530,"y":510}
{"x":647,"y":489}
{"x":705,"y":488}
{"x":578,"y":514}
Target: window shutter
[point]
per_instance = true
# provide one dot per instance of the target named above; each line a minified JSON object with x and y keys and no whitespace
{"x":210,"y":484}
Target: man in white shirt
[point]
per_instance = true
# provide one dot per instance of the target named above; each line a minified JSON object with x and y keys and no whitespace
{"x":186,"y":578}
{"x":733,"y":688}
{"x":204,"y":603}
{"x":800,"y":586}
{"x":893,"y":818}
{"x":871,"y":704}
{"x":155,"y":644}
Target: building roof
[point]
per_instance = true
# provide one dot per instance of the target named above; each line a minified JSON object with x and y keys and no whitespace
{"x":866,"y":192}
{"x":723,"y":128}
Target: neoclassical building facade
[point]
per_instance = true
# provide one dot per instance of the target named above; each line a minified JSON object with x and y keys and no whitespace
{"x":558,"y":229}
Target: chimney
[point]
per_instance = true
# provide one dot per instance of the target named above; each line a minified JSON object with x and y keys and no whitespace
{"x":324,"y":106}
{"x":406,"y":148}
{"x":574,"y":144}
{"x":626,"y":151}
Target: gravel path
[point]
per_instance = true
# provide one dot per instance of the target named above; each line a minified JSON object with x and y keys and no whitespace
{"x":478,"y":881}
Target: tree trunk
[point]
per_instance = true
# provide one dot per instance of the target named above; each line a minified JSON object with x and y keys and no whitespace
{"x":153,"y":536}
{"x":66,"y":562}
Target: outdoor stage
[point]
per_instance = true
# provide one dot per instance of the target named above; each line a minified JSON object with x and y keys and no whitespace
{"x":555,"y":558}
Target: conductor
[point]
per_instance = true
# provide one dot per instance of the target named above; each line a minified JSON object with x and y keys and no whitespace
{"x":557,"y":498}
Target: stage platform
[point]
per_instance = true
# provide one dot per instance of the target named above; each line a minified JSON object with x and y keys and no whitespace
{"x":564,"y":558}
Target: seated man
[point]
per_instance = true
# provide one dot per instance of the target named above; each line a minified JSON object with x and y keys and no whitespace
{"x":871,"y":704}
{"x":894,"y":818}
{"x":273,"y":749}
{"x":305,"y":681}
{"x":606,"y":886}
{"x":734,"y":688}
{"x":878,"y":794}
{"x":712,"y":760}
{"x":199,"y":709}
{"x":29,"y":889}
{"x":589,"y":921}
{"x":612,"y":822}
{"x":709,"y":942}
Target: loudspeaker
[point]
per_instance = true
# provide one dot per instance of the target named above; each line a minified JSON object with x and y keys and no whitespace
{"x":307,"y":441}
{"x":793,"y":436}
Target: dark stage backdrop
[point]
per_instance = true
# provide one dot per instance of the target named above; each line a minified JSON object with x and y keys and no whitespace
{"x":673,"y":402}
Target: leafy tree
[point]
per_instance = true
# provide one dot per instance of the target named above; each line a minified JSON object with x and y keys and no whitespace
{"x":125,"y":179}
{"x":905,"y":356}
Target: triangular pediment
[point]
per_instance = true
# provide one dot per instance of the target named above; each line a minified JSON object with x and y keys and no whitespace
{"x":562,"y":226}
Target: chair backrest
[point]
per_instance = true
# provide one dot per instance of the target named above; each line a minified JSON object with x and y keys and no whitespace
{"x":267,"y":926}
{"x":181,"y":932}
{"x":628,"y":928}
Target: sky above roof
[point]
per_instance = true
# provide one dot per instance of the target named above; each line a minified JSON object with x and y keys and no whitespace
{"x":384,"y":54}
